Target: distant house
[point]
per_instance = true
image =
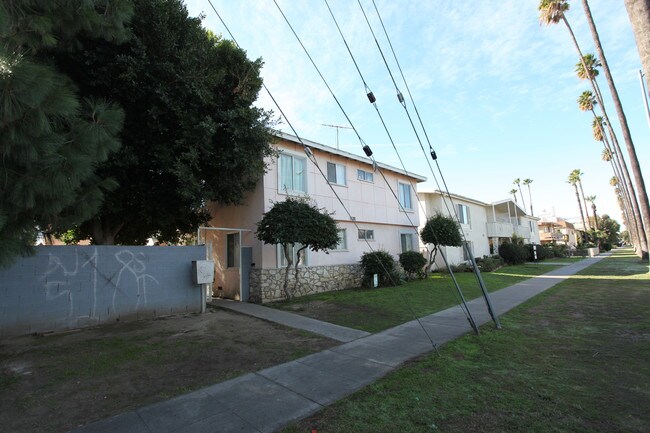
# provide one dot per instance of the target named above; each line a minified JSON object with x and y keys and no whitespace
{"x":558,"y":230}
{"x":246,"y":269}
{"x":485,"y":225}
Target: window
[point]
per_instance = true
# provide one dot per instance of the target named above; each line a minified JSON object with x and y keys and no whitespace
{"x":293,"y":174}
{"x":343,"y":242}
{"x":232,"y":250}
{"x":406,"y":240}
{"x":463,"y":214}
{"x":467,"y":256}
{"x":530,"y":223}
{"x":336,"y":173}
{"x":365,"y":176}
{"x":293,"y":248}
{"x":368,"y":235}
{"x":405,"y":195}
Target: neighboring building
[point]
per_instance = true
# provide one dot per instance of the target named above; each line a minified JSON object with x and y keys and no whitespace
{"x":248,"y":269}
{"x":558,"y":230}
{"x":485,"y":225}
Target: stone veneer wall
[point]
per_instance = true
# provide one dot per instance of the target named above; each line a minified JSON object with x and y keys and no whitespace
{"x":266,"y":284}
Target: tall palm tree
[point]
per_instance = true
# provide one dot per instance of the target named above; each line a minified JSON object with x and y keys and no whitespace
{"x":552,"y":12}
{"x":639,"y":13}
{"x":514,"y":194}
{"x":627,"y":136}
{"x":527,"y":182}
{"x":578,"y":176}
{"x":573,"y":180}
{"x":518,"y":182}
{"x":587,"y":102}
{"x":592,"y":199}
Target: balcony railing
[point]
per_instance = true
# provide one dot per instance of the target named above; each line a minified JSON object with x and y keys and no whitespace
{"x":505,"y":230}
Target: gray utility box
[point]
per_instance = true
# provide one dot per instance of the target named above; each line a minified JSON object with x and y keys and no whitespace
{"x":202,"y":271}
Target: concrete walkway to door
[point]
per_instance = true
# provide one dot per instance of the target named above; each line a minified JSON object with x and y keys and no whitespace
{"x":270,"y":399}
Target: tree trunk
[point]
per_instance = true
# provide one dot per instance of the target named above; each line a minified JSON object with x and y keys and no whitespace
{"x":639,"y":13}
{"x":432,"y":258}
{"x":643,"y":241}
{"x":582,"y":193}
{"x":593,"y":208}
{"x":530,"y":198}
{"x":297,"y":270}
{"x":285,"y":285}
{"x":104,"y":233}
{"x":582,"y":215}
{"x":523,"y":203}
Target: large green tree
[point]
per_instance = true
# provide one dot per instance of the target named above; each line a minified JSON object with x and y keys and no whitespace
{"x":53,"y":136}
{"x":440,"y":231}
{"x":191,"y":133}
{"x":296,"y":223}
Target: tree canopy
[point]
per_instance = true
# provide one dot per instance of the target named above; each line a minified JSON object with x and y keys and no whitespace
{"x":296,"y":221}
{"x":53,"y":136}
{"x":191,"y":134}
{"x":440,"y":230}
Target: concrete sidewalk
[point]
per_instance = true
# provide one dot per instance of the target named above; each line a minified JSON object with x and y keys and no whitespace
{"x":270,"y":399}
{"x":330,"y":330}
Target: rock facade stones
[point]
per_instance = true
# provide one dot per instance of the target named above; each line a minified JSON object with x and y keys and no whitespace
{"x":266,"y":284}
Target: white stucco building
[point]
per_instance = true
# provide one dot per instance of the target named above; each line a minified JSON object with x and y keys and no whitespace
{"x":246,"y":268}
{"x":484,"y":225}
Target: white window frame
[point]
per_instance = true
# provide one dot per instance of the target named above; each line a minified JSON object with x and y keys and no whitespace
{"x":339,"y":173}
{"x":362,"y":234}
{"x":461,"y":214}
{"x":293,"y":190}
{"x":401,"y":244}
{"x":282,"y":263}
{"x":402,"y":196}
{"x":236,"y":253}
{"x":342,"y":245}
{"x":363,"y":176}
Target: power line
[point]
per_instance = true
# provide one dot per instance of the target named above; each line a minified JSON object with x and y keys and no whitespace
{"x":400,"y":98}
{"x":372,"y":99}
{"x":312,"y":158}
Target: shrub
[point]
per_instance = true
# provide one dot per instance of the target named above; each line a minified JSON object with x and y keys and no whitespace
{"x":513,"y":254}
{"x":580,"y":252}
{"x":381,"y":263}
{"x":461,"y":267}
{"x":605,"y":246}
{"x":412,"y":262}
{"x":489,"y":264}
{"x":560,"y":250}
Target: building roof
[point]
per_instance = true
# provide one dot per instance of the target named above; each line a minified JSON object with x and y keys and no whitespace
{"x":362,"y":159}
{"x":453,"y":196}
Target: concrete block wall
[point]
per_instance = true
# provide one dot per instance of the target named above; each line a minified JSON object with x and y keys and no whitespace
{"x":67,"y":287}
{"x":266,"y":284}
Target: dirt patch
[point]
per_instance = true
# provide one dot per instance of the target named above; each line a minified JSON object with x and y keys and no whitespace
{"x":58,"y":382}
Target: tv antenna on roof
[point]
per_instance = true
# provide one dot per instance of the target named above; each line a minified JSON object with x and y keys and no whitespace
{"x":337,"y":131}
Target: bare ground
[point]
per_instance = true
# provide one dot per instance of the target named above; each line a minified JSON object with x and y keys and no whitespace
{"x":58,"y":382}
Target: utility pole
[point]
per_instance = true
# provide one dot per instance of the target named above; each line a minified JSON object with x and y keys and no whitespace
{"x":337,"y":131}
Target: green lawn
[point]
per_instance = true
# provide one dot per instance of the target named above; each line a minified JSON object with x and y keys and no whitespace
{"x":574,"y":359}
{"x":373,"y":310}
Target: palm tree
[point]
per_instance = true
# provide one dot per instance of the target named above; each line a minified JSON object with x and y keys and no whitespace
{"x":587,"y":101}
{"x":578,"y":176}
{"x":592,"y":199}
{"x":627,"y":137}
{"x":597,"y":126}
{"x":574,"y":177}
{"x":552,"y":12}
{"x":517,"y":182}
{"x":639,"y":13}
{"x":527,"y":182}
{"x":514,"y":194}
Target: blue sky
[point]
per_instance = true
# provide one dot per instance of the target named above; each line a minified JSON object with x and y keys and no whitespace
{"x":496,"y":90}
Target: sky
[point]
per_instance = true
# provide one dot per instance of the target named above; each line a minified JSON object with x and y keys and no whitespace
{"x":496,"y":90}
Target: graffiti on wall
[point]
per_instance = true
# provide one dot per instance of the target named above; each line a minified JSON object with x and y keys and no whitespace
{"x":86,"y":291}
